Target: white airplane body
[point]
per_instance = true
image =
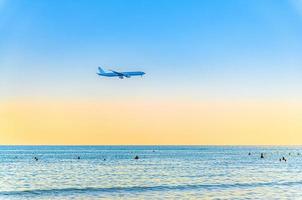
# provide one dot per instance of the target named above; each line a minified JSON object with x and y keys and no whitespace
{"x":121,"y":75}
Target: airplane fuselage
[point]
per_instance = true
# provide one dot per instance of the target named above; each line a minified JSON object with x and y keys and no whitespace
{"x":121,"y":75}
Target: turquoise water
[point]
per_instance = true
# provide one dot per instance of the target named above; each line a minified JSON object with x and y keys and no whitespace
{"x":161,"y":172}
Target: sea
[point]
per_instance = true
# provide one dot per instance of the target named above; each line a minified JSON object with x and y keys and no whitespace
{"x":160,"y":172}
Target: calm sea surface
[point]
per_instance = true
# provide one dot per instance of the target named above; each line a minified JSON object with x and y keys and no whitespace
{"x":161,"y":172}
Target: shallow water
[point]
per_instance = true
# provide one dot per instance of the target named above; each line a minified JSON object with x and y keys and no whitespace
{"x":162,"y":172}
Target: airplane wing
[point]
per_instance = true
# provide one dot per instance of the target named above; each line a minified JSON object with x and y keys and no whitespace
{"x":117,"y":73}
{"x":120,"y":74}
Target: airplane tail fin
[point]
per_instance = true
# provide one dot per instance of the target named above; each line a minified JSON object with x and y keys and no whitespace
{"x":101,"y":70}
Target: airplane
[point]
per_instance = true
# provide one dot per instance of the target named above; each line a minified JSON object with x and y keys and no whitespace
{"x":121,"y":75}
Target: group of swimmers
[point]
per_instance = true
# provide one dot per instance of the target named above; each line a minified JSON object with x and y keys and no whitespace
{"x":136,"y":158}
{"x":280,"y":159}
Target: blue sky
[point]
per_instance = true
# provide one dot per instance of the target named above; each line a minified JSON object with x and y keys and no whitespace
{"x":198,"y":49}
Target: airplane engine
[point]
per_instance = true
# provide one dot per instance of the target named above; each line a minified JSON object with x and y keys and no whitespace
{"x":121,"y":77}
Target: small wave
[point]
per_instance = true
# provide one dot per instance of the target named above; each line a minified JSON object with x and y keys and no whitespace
{"x":147,"y":188}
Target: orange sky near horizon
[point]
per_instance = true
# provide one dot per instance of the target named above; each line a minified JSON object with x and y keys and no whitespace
{"x":150,"y":122}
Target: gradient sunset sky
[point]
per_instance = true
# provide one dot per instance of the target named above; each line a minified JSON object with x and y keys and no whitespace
{"x":217,"y":72}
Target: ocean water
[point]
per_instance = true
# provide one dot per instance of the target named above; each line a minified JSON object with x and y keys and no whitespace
{"x":161,"y":172}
